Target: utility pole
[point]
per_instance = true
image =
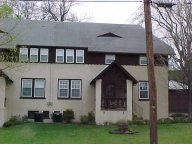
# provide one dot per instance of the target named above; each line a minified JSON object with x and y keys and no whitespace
{"x":151,"y":73}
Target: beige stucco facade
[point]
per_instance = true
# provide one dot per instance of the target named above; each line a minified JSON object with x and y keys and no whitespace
{"x":2,"y":100}
{"x":91,"y":94}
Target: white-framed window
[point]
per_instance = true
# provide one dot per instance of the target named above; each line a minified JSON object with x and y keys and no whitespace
{"x":44,"y":55}
{"x":69,"y":56}
{"x":32,"y":88}
{"x":79,"y":56}
{"x":33,"y":54}
{"x":109,"y":58}
{"x":143,"y":60}
{"x":59,"y":55}
{"x":143,"y":90}
{"x":26,"y":90}
{"x":23,"y":54}
{"x":63,"y":89}
{"x":75,"y":88}
{"x":39,"y":88}
{"x":69,"y":89}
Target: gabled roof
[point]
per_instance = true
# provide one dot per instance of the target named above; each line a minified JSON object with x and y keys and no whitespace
{"x":5,"y":76}
{"x":127,"y":74}
{"x":84,"y":35}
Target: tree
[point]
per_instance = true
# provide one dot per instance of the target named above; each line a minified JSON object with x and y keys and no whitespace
{"x":51,"y":10}
{"x":175,"y":24}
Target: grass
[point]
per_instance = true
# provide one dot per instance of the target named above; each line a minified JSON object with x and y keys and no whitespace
{"x":41,"y":133}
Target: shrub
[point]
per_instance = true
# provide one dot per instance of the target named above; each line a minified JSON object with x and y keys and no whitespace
{"x":68,"y":115}
{"x":91,"y":117}
{"x":137,"y":122}
{"x":165,"y":121}
{"x":15,"y":120}
{"x":84,"y":119}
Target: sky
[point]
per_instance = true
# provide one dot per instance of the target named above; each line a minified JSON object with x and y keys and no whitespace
{"x":107,"y":12}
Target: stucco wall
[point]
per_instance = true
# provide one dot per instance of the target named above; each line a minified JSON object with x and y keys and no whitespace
{"x":103,"y":116}
{"x":2,"y":100}
{"x":53,"y":72}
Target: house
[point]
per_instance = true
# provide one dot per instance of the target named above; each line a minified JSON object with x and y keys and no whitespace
{"x":83,"y":66}
{"x":178,"y":97}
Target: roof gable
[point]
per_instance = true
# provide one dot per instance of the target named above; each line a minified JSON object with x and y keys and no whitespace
{"x":109,"y":35}
{"x":5,"y":76}
{"x":114,"y":64}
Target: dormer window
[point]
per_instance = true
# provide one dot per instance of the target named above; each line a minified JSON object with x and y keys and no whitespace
{"x":34,"y":55}
{"x":109,"y":58}
{"x":59,"y":55}
{"x":143,"y":60}
{"x":23,"y":54}
{"x":79,"y":56}
{"x":69,"y":56}
{"x":44,"y":55}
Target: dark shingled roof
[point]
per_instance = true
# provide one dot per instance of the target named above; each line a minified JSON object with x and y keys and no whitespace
{"x":122,"y":38}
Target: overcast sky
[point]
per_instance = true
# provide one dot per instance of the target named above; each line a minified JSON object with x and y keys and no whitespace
{"x":114,"y":12}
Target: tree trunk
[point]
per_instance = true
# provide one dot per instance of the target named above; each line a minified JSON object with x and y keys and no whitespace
{"x":190,"y":106}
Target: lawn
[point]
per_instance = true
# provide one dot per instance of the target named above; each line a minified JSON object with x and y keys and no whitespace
{"x":41,"y":133}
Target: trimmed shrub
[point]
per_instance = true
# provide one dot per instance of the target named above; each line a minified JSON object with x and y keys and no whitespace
{"x":137,"y":122}
{"x":68,"y":115}
{"x":91,"y":117}
{"x":165,"y":121}
{"x":84,"y":119}
{"x":15,"y":120}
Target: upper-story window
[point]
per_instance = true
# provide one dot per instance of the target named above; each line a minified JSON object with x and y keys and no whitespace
{"x":33,"y":54}
{"x":143,"y":60}
{"x":79,"y":56}
{"x":23,"y":54}
{"x":69,"y":56}
{"x":59,"y":55}
{"x":143,"y":90}
{"x":109,"y":58}
{"x":44,"y":55}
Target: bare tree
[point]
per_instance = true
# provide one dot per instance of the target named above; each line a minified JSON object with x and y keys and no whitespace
{"x":175,"y":24}
{"x":51,"y":10}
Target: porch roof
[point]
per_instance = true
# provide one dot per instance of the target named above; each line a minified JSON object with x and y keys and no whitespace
{"x":2,"y":74}
{"x":115,"y":63}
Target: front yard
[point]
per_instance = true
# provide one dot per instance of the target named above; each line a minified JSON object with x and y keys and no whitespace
{"x":41,"y":133}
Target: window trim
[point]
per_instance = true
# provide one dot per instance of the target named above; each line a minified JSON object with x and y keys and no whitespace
{"x":32,"y":89}
{"x":70,"y":55}
{"x":143,"y":99}
{"x":69,"y":90}
{"x":109,"y":55}
{"x":74,"y":88}
{"x":36,"y":50}
{"x":83,"y":56}
{"x":56,"y":55}
{"x":27,"y":54}
{"x":58,"y":93}
{"x":140,"y":59}
{"x":41,"y":49}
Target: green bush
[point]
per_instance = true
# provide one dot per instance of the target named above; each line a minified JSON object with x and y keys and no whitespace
{"x":165,"y":121}
{"x":84,"y":119}
{"x":91,"y":117}
{"x":15,"y":120}
{"x":68,"y":115}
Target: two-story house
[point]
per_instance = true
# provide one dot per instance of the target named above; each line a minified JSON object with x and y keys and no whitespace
{"x":82,"y":66}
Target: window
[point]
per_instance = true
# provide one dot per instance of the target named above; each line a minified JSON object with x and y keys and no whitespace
{"x":79,"y":56}
{"x":39,"y":87}
{"x":143,"y":60}
{"x":31,"y":114}
{"x":23,"y":54}
{"x":33,"y":55}
{"x":69,"y":56}
{"x":44,"y":55}
{"x":75,"y":88}
{"x":109,"y":58}
{"x":69,"y":89}
{"x":63,"y":88}
{"x":59,"y":55}
{"x":32,"y":88}
{"x":143,"y":90}
{"x":26,"y":87}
